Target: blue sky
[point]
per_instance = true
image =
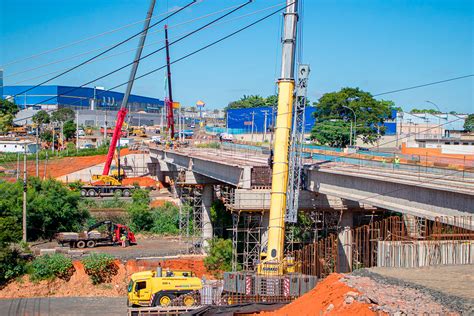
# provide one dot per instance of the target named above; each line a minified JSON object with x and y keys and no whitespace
{"x":375,"y":45}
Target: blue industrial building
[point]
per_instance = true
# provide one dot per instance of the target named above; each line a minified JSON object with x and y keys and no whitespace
{"x":52,"y":97}
{"x":241,"y":120}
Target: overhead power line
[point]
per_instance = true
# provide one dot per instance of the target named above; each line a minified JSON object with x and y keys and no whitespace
{"x":424,"y":85}
{"x":81,"y":40}
{"x":106,"y":51}
{"x":150,"y":44}
{"x":177,"y":60}
{"x":108,"y":46}
{"x":149,"y":54}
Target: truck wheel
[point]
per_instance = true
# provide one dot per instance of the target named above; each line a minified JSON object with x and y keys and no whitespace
{"x":90,"y":244}
{"x":188,"y":300}
{"x":83,"y":192}
{"x":91,"y":192}
{"x":80,"y":244}
{"x":118,"y":192}
{"x":126,"y":193}
{"x":165,"y":299}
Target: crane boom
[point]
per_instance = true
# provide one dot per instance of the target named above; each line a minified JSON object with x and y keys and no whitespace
{"x":123,"y":108}
{"x":169,"y":101}
{"x":273,"y":262}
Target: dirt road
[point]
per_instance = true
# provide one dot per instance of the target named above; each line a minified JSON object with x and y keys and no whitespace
{"x":157,"y":247}
{"x":59,"y":306}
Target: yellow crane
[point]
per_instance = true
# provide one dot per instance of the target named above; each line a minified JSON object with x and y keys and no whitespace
{"x":276,"y":275}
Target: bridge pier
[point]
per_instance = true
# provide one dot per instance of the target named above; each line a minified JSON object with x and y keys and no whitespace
{"x":207,"y":229}
{"x":344,"y":238}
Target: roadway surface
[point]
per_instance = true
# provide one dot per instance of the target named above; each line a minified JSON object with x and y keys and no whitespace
{"x":61,"y":306}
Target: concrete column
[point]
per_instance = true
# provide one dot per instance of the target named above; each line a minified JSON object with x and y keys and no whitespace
{"x":345,"y":241}
{"x":207,"y":199}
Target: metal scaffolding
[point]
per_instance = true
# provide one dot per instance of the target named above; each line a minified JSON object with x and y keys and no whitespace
{"x":190,"y":214}
{"x":246,"y":240}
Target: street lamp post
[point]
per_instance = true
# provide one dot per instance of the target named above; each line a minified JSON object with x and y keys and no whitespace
{"x":439,"y":120}
{"x":355,"y":126}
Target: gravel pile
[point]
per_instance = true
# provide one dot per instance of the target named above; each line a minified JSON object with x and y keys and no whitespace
{"x":397,"y":297}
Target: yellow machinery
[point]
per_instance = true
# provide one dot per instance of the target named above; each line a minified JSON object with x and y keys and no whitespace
{"x":277,"y":276}
{"x":162,"y":288}
{"x":137,"y":131}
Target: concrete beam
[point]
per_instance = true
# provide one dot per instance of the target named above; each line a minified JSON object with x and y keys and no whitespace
{"x":385,"y":193}
{"x":259,"y":199}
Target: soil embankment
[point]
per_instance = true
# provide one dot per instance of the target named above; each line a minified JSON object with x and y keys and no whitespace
{"x":80,"y":284}
{"x":329,"y":297}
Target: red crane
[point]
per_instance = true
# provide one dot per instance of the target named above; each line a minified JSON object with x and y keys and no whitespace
{"x":169,"y":101}
{"x":115,"y":138}
{"x":123,"y":108}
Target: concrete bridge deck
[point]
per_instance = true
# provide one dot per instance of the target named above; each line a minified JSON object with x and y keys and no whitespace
{"x":420,"y":193}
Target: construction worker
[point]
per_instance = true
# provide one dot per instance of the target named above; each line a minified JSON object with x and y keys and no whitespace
{"x":123,"y":240}
{"x":396,"y":162}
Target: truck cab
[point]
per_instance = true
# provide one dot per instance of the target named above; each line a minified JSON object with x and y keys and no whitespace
{"x":161,"y":287}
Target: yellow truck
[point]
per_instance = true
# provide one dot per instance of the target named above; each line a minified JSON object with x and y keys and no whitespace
{"x":163,"y":287}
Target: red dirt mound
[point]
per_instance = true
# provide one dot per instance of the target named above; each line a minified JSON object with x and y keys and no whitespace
{"x":81,"y":285}
{"x":142,"y":181}
{"x":327,"y":298}
{"x":60,"y":167}
{"x":195,"y":264}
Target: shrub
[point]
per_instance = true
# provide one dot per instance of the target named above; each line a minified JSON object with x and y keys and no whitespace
{"x":140,"y":217}
{"x":100,"y":267}
{"x":11,"y":264}
{"x":215,"y":145}
{"x":219,"y":256}
{"x":166,"y":219}
{"x":48,"y":267}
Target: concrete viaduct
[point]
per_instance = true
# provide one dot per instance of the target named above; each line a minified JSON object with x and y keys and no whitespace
{"x":328,"y":185}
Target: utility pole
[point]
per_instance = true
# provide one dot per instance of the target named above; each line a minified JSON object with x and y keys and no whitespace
{"x":253,"y":118}
{"x":18,"y":166}
{"x":52,"y":124}
{"x":24,"y":195}
{"x":37,"y":151}
{"x":265,"y":125}
{"x":45,"y":165}
{"x":105,"y":127}
{"x":77,"y":130}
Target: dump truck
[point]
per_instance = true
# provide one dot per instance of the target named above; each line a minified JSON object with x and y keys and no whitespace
{"x":163,"y":288}
{"x":92,"y":237}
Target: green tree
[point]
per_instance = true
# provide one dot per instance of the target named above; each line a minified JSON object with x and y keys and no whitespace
{"x":335,"y":112}
{"x":141,"y":218}
{"x":219,"y":258}
{"x":41,"y":117}
{"x":51,"y":207}
{"x":429,"y":111}
{"x":166,"y":219}
{"x":469,"y":123}
{"x":62,"y":115}
{"x":8,"y":110}
{"x":69,"y":129}
{"x":248,"y":101}
{"x":46,"y":136}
